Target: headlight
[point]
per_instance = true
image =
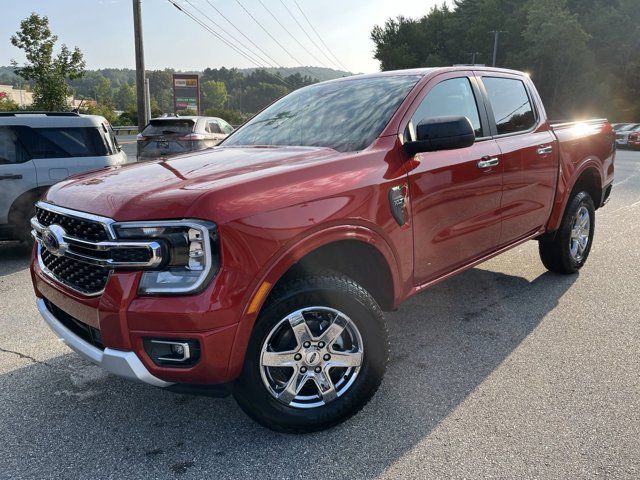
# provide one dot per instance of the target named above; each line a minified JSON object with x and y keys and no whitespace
{"x":190,"y":254}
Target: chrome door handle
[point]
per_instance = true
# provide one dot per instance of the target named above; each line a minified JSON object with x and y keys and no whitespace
{"x":489,"y":162}
{"x":542,"y":150}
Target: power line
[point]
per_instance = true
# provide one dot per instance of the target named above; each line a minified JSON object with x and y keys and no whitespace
{"x":291,"y":35}
{"x":252,"y":54}
{"x":267,"y":32}
{"x":318,"y":35}
{"x":243,"y":34}
{"x":206,"y":27}
{"x":308,"y":36}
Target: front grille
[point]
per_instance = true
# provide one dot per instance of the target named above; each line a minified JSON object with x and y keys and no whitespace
{"x":83,"y":277}
{"x":88,"y":333}
{"x":77,"y":249}
{"x":81,"y":228}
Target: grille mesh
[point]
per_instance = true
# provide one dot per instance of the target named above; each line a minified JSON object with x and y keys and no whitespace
{"x":76,"y":227}
{"x":85,"y":278}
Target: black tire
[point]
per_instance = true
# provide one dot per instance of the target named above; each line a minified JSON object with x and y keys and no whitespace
{"x":555,"y":252}
{"x":324,"y":290}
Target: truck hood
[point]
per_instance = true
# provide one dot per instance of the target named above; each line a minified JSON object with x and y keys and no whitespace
{"x":169,"y":188}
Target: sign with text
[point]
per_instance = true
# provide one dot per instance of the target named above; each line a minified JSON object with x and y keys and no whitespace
{"x":186,"y":92}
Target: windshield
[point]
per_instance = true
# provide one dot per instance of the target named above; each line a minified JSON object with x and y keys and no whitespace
{"x":345,"y":115}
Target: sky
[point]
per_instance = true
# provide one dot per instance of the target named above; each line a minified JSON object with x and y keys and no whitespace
{"x":103,"y":30}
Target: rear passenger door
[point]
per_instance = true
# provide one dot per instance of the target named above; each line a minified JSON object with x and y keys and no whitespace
{"x":528,"y":155}
{"x":63,"y":151}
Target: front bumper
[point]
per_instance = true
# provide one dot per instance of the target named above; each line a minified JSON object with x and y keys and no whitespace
{"x":122,"y":364}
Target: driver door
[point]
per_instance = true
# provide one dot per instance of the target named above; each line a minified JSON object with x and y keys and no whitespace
{"x":455,"y":196}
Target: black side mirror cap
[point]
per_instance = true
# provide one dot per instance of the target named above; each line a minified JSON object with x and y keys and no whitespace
{"x":441,"y":133}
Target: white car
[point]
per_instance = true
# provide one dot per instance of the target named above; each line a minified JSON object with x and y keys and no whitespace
{"x":40,"y":149}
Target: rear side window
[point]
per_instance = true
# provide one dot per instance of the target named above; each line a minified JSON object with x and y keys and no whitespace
{"x":11,"y":150}
{"x":453,"y":97}
{"x":63,"y":142}
{"x":168,"y":127}
{"x":213,"y":127}
{"x":510,"y":103}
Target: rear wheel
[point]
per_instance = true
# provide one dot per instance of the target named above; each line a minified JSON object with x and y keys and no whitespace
{"x":317,"y":355}
{"x":567,"y":252}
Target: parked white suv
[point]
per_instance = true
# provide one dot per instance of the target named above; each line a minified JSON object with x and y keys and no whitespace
{"x":40,"y":149}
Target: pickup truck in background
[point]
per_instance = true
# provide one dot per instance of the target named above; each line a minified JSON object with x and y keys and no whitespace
{"x":262,"y":266}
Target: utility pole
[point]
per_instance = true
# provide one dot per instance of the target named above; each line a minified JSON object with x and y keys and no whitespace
{"x":496,"y":34}
{"x":140,"y":83}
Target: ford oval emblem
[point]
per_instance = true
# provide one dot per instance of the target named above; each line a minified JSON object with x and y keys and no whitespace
{"x":53,"y":240}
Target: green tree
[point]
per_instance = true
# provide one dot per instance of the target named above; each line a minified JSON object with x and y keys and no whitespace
{"x":104,"y":93}
{"x":125,"y":97}
{"x":161,"y":88}
{"x":48,"y":73}
{"x":214,"y":94}
{"x":549,"y":24}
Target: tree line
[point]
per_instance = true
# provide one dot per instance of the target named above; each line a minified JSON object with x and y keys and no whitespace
{"x":583,"y":55}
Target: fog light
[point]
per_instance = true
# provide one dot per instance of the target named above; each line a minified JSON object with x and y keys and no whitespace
{"x":180,"y":349}
{"x":172,"y":352}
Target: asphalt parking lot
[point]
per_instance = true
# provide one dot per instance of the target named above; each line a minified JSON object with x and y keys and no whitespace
{"x":505,"y":371}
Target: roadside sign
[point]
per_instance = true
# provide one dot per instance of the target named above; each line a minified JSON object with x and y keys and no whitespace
{"x":186,"y":92}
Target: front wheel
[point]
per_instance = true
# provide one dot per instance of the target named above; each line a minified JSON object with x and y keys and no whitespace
{"x":567,"y":252}
{"x":317,"y":354}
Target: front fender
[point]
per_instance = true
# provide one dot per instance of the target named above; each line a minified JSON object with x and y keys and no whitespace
{"x":286,"y":258}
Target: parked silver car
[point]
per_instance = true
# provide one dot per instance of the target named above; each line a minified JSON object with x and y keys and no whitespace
{"x":40,"y":149}
{"x":172,"y":135}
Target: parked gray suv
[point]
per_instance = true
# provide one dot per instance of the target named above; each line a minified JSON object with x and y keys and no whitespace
{"x":174,"y":134}
{"x":40,"y":149}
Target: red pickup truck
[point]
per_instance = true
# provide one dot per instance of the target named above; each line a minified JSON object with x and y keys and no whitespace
{"x":262,"y":266}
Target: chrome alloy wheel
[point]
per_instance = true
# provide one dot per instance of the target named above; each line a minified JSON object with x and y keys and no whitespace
{"x":311,"y":357}
{"x":580,"y":230}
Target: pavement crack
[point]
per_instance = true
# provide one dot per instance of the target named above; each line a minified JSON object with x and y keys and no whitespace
{"x":25,"y":357}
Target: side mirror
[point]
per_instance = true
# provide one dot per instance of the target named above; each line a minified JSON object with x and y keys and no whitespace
{"x":441,"y":133}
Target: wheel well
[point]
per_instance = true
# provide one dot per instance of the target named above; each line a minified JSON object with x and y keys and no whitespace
{"x":589,"y":181}
{"x":359,"y":261}
{"x":26,"y":201}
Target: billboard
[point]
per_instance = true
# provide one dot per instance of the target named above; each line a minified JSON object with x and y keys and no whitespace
{"x":186,"y":92}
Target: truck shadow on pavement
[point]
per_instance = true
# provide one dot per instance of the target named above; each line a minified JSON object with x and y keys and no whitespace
{"x":67,"y":418}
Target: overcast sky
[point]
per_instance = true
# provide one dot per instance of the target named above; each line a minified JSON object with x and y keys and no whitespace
{"x":103,"y":29}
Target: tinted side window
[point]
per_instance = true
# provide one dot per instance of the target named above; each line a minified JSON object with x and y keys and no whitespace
{"x":11,"y":150}
{"x":450,"y":97}
{"x":213,"y":127}
{"x":63,"y":142}
{"x":510,"y":103}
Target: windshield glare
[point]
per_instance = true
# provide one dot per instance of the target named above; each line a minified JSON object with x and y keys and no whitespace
{"x":345,"y":115}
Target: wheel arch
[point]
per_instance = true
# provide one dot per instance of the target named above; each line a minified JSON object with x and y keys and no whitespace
{"x":26,"y":200}
{"x":588,"y":178}
{"x":363,"y":244}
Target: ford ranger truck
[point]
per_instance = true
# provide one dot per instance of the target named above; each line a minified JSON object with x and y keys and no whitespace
{"x":262,"y":266}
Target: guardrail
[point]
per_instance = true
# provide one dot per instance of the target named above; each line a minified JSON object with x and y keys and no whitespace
{"x":131,"y":130}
